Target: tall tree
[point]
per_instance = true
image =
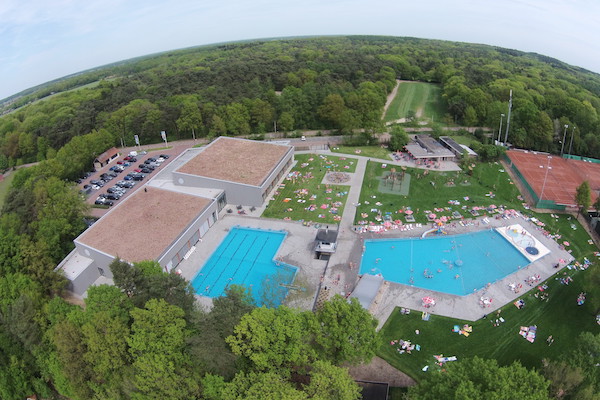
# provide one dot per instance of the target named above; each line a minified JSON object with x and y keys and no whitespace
{"x":345,"y":331}
{"x":583,"y":197}
{"x":207,"y":346}
{"x":481,"y":379}
{"x":273,"y":338}
{"x":157,"y":346}
{"x":190,"y":117}
{"x":328,"y":382}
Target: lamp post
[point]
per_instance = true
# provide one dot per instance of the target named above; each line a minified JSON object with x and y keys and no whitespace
{"x":545,"y":177}
{"x":563,"y":141}
{"x":571,"y":145}
{"x":500,"y":130}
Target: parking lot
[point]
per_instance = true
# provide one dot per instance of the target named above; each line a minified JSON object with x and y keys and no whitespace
{"x":112,"y":183}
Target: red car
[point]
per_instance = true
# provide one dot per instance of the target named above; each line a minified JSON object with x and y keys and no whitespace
{"x":137,"y":170}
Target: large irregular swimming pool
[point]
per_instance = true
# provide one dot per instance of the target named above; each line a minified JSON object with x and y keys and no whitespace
{"x":455,"y":264}
{"x":247,"y":257}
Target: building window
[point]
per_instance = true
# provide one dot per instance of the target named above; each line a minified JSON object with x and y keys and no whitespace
{"x":221,"y":202}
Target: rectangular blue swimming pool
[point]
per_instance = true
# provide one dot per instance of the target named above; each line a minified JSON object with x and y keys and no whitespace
{"x":455,"y":264}
{"x":246,"y":257}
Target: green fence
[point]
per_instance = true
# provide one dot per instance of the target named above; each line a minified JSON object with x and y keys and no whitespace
{"x":580,"y":158}
{"x":547,"y":204}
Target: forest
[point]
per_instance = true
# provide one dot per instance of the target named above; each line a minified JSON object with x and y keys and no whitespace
{"x":133,"y":341}
{"x":335,"y":83}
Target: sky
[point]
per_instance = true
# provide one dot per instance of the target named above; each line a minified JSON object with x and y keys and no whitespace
{"x":42,"y":40}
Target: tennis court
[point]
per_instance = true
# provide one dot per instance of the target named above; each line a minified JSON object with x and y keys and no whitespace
{"x":561,"y":176}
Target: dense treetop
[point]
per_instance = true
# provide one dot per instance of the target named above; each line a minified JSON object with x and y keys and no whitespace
{"x":314,"y":83}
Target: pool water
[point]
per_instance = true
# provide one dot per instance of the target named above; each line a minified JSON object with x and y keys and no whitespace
{"x":455,"y":264}
{"x":246,"y":257}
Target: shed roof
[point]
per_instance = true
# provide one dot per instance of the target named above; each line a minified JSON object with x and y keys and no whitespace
{"x":144,"y":225}
{"x":107,"y":154}
{"x":236,"y":160}
{"x":326,"y":235}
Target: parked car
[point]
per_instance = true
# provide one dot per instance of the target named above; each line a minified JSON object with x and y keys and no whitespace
{"x":104,"y":201}
{"x":128,"y":177}
{"x":126,"y":184}
{"x":165,"y":156}
{"x":112,"y":196}
{"x":132,"y":160}
{"x":97,"y":182}
{"x":139,"y":177}
{"x":146,"y":170}
{"x":116,"y":189}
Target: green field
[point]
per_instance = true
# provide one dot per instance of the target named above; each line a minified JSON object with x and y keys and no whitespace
{"x":303,"y":197}
{"x":429,"y":190}
{"x":424,"y":99}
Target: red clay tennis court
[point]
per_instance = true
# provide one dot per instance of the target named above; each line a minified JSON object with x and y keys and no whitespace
{"x":562,"y":176}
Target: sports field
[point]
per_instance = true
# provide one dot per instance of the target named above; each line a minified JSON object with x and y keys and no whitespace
{"x":555,"y":178}
{"x":424,"y":99}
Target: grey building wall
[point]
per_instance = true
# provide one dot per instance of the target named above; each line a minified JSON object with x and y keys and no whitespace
{"x":101,"y":259}
{"x":239,"y":193}
{"x":83,"y":281}
{"x":183,"y":243}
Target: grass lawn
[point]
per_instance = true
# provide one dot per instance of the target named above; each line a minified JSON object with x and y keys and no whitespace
{"x":560,"y":317}
{"x":4,"y":186}
{"x":424,"y":99}
{"x":429,"y":190}
{"x":365,"y":151}
{"x":303,"y":197}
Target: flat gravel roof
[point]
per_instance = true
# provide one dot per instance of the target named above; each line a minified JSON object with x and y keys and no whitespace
{"x":236,"y":160}
{"x":144,"y":225}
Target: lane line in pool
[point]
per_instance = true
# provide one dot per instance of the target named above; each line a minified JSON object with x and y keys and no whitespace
{"x":264,"y":243}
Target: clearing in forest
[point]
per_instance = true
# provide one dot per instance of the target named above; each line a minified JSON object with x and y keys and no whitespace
{"x":423,"y":99}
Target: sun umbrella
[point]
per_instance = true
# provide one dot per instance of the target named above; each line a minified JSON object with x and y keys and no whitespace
{"x":493,"y":206}
{"x":444,"y":218}
{"x":408,"y":212}
{"x":428,"y":301}
{"x":432,"y":216}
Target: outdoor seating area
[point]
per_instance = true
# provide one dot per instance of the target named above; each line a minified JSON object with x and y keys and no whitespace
{"x":465,"y":331}
{"x":405,"y":346}
{"x":303,"y":197}
{"x":528,"y":332}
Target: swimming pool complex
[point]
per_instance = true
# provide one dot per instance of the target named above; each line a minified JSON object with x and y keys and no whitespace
{"x":246,"y":257}
{"x":454,"y":264}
